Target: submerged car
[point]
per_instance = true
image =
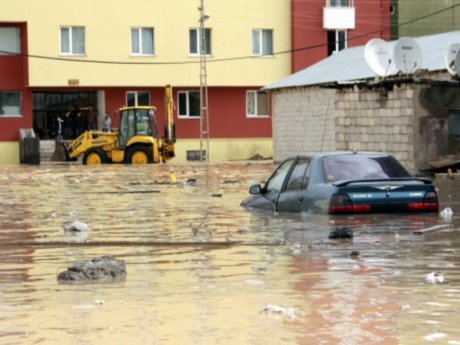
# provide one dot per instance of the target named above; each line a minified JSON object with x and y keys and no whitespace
{"x":343,"y":183}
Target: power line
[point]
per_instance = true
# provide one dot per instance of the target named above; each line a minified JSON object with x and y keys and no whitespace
{"x":210,"y":60}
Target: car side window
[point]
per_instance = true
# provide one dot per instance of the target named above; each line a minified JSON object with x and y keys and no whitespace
{"x":275,"y":184}
{"x":300,"y":175}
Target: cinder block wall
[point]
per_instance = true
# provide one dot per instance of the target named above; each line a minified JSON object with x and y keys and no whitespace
{"x":312,"y":119}
{"x":377,"y":120}
{"x":303,"y":121}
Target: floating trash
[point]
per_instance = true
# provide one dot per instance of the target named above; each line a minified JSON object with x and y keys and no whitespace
{"x":77,"y":227}
{"x":447,"y":213}
{"x":274,"y":309}
{"x":434,"y":278}
{"x":341,"y":233}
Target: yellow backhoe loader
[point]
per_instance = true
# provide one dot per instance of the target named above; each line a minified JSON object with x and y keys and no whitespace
{"x":136,"y":142}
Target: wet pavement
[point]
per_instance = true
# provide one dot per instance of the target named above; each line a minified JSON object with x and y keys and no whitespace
{"x":202,"y":270}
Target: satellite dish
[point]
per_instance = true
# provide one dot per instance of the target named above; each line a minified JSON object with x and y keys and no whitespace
{"x":451,"y":54}
{"x":378,"y":56}
{"x":407,"y":55}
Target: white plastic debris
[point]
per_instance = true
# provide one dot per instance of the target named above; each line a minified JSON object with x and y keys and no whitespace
{"x":447,"y":213}
{"x":98,"y":302}
{"x":435,"y":336}
{"x":434,"y":278}
{"x":76,"y":226}
{"x":274,"y":309}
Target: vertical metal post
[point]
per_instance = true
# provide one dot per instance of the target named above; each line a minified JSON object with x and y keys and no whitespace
{"x":204,"y":111}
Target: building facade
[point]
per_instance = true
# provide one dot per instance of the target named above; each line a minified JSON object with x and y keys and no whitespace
{"x":107,"y":55}
{"x":419,"y":18}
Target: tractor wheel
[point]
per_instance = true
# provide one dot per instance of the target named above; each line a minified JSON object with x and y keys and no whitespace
{"x":95,"y":157}
{"x":139,"y":155}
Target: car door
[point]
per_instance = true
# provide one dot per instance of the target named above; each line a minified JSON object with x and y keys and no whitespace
{"x":275,"y":184}
{"x":293,"y":196}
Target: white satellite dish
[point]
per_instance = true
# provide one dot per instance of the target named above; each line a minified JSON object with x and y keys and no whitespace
{"x":451,"y":54}
{"x":407,"y":55}
{"x":378,"y":56}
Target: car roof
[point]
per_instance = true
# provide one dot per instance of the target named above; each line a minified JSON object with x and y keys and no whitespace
{"x":341,"y":153}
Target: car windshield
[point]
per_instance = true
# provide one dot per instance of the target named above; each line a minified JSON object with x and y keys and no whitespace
{"x":356,"y":167}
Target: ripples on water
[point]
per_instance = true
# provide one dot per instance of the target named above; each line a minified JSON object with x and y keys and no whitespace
{"x":264,"y":279}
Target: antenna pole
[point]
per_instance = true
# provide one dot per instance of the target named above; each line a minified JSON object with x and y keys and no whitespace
{"x":204,"y":115}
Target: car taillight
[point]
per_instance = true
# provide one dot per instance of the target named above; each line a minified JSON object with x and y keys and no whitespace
{"x":430,"y":203}
{"x":341,"y":203}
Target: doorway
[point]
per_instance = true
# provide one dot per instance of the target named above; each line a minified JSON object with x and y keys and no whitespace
{"x":47,"y":106}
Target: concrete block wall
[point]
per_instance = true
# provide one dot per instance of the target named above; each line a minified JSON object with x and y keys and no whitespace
{"x":377,"y":120}
{"x":303,"y":121}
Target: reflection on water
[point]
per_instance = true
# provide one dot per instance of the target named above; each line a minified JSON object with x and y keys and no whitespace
{"x":201,"y":270}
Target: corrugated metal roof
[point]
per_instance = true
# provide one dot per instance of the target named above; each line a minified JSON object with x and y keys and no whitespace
{"x":350,"y":65}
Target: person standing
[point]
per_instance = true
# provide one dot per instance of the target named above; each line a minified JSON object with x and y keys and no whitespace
{"x":107,"y":123}
{"x":67,"y":126}
{"x":58,"y":128}
{"x":92,"y":118}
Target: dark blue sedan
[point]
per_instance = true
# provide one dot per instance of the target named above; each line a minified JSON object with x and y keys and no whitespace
{"x":343,"y":183}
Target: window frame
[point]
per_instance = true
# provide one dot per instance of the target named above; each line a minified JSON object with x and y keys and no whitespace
{"x":198,"y":42}
{"x":70,"y":29}
{"x":260,"y":51}
{"x":256,"y":106}
{"x":136,"y":98}
{"x":21,"y":110}
{"x":187,"y":116}
{"x":141,"y":39}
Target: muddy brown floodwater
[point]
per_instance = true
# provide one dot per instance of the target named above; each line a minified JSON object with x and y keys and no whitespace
{"x":202,"y":270}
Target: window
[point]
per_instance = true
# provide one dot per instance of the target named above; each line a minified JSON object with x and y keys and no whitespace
{"x":10,"y":40}
{"x":73,"y":40}
{"x":137,"y":98}
{"x":189,"y":103}
{"x":142,"y":41}
{"x":195,"y":41}
{"x":336,"y":40}
{"x":338,"y":3}
{"x":275,"y":184}
{"x":300,"y":175}
{"x":257,"y":104}
{"x":10,"y":103}
{"x":262,"y":42}
{"x":454,"y":124}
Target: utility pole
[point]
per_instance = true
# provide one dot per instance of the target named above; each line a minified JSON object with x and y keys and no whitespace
{"x":204,"y":111}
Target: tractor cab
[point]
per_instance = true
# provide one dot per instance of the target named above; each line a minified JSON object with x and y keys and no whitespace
{"x":136,"y":121}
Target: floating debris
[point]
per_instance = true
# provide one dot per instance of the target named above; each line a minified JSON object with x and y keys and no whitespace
{"x":341,"y":233}
{"x":77,"y":227}
{"x":216,"y":195}
{"x":274,"y":309}
{"x":431,"y":229}
{"x":190,"y":182}
{"x":98,"y":302}
{"x":354,"y":254}
{"x":231,"y":181}
{"x":447,"y":213}
{"x":104,"y":268}
{"x":435,"y":336}
{"x":434,"y":278}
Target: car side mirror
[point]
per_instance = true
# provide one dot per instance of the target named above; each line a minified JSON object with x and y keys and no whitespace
{"x":255,"y":189}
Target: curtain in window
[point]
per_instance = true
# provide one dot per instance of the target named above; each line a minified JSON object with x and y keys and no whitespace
{"x":147,"y":41}
{"x":65,"y":40}
{"x":262,"y":103}
{"x":256,"y":42}
{"x":207,"y":41}
{"x":250,"y":103}
{"x":193,"y":41}
{"x":10,"y":103}
{"x":267,"y":42}
{"x":135,"y":48}
{"x":78,"y":40}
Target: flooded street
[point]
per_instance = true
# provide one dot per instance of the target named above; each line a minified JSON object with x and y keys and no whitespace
{"x":203,"y":270}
